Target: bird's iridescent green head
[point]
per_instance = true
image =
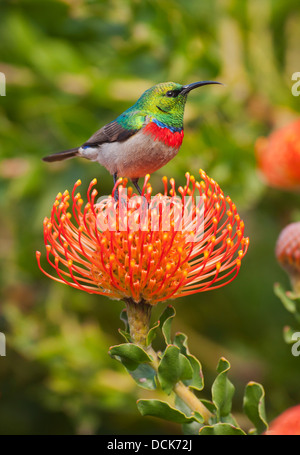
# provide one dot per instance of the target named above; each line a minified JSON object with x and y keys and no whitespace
{"x":166,"y":101}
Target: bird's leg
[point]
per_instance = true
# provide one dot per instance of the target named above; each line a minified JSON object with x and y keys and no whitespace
{"x":135,"y":182}
{"x":116,"y":195}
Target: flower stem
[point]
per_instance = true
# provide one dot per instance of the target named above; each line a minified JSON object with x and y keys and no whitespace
{"x":138,"y":315}
{"x":190,"y":399}
{"x":183,"y":392}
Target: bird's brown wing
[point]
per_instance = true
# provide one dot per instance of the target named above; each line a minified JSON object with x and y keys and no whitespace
{"x":111,"y":132}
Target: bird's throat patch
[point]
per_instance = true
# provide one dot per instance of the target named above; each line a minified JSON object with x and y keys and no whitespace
{"x":164,"y":134}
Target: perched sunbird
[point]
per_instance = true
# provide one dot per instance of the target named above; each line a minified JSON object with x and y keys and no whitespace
{"x":142,"y":139}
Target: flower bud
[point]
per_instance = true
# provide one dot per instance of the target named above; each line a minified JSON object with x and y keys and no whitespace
{"x":288,"y":253}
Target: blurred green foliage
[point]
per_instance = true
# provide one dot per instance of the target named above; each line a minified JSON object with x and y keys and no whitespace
{"x":73,"y":65}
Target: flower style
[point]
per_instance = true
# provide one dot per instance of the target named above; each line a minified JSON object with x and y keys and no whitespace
{"x":143,"y":248}
{"x":287,"y":252}
{"x":278,"y":157}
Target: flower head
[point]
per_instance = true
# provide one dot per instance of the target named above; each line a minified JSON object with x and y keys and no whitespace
{"x":287,"y":252}
{"x":146,"y":248}
{"x":278,"y":157}
{"x":287,"y":423}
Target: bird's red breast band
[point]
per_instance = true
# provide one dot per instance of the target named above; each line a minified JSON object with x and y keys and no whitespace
{"x":172,"y":139}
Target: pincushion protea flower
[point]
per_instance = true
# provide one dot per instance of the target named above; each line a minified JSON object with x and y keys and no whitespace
{"x":287,"y":423}
{"x":130,"y":250}
{"x":278,"y":157}
{"x":287,"y":252}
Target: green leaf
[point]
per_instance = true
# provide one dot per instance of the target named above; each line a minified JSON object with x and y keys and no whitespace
{"x":229,"y":419}
{"x":130,"y":355}
{"x":152,"y":333}
{"x":145,"y":376}
{"x":289,"y":304}
{"x":180,"y":340}
{"x":135,"y":360}
{"x":125,"y":333}
{"x":221,"y":429}
{"x":296,"y":299}
{"x":198,"y":417}
{"x":223,"y":365}
{"x":173,"y":367}
{"x":254,"y":406}
{"x":163,"y":410}
{"x":181,"y":406}
{"x":124,"y":318}
{"x":222,"y":390}
{"x":197,"y":381}
{"x":191,"y":428}
{"x":209,"y":405}
{"x":166,"y":321}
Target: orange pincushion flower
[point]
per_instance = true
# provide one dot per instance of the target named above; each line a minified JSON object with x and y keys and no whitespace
{"x":146,"y":248}
{"x":278,"y":157}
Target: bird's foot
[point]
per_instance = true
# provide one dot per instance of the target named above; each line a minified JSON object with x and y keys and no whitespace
{"x":135,"y":182}
{"x":116,"y":192}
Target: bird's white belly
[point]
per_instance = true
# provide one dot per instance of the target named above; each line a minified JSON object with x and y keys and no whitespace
{"x":137,"y":156}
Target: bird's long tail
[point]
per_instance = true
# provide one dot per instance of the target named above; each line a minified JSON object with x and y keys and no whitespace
{"x":60,"y":156}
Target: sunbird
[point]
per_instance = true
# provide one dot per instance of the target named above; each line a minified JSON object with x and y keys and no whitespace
{"x":143,"y":138}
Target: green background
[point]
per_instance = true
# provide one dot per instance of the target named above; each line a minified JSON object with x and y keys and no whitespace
{"x":71,"y":67}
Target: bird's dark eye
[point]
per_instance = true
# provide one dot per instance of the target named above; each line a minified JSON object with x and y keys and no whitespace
{"x":172,"y":93}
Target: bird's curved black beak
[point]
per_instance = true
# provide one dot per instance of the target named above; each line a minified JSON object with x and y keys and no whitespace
{"x":187,"y":88}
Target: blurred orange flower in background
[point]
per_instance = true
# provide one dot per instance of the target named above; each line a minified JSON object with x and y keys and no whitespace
{"x":278,"y":157}
{"x":287,"y":423}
